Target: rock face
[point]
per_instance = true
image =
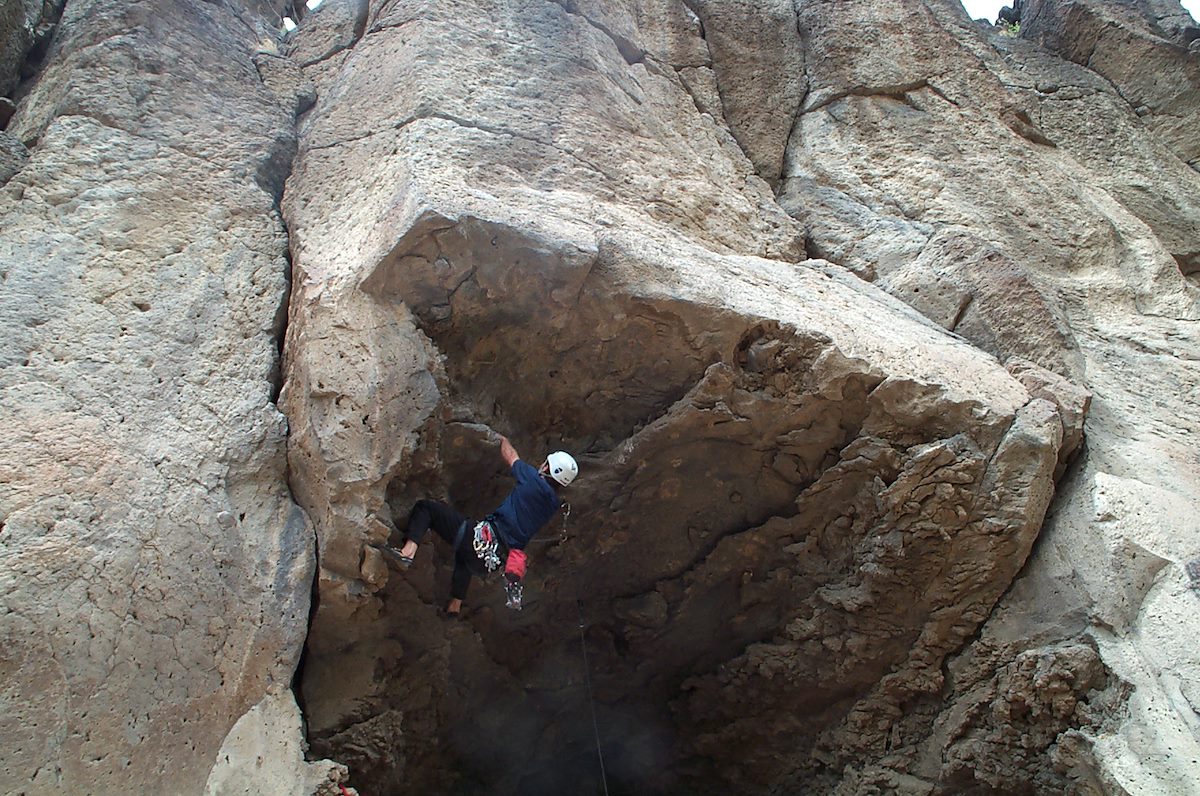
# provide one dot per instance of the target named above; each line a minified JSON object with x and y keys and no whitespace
{"x":13,"y":155}
{"x":839,"y":305}
{"x":24,"y":26}
{"x":993,"y":173}
{"x":800,"y":499}
{"x":264,"y":753}
{"x":155,"y":571}
{"x":1139,"y":50}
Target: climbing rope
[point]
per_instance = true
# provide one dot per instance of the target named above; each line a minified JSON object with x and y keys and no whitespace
{"x":587,"y":668}
{"x":587,"y":676}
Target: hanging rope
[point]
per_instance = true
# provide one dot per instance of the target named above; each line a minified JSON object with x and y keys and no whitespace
{"x":587,"y":669}
{"x":587,"y":676}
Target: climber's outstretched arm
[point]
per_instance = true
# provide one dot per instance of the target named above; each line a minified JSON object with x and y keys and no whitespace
{"x":507,"y":451}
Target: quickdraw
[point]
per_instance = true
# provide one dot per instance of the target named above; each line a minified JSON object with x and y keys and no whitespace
{"x":514,"y":593}
{"x":562,"y":535}
{"x":486,"y":546}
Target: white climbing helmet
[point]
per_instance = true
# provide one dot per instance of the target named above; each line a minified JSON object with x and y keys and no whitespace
{"x":563,"y":468}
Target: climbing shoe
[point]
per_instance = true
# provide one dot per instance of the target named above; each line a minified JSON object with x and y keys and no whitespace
{"x":402,"y":561}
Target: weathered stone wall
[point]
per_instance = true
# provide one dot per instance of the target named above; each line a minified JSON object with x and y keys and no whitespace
{"x":799,"y":497}
{"x":154,"y":570}
{"x":980,"y":173}
{"x":24,"y":26}
{"x":824,"y":296}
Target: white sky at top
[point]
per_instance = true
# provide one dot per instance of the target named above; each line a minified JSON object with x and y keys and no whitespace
{"x":988,"y":9}
{"x":289,"y":24}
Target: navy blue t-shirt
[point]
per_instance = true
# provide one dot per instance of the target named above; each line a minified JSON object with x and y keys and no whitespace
{"x":528,"y":507}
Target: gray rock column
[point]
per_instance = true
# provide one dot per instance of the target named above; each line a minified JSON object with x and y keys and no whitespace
{"x":154,"y":570}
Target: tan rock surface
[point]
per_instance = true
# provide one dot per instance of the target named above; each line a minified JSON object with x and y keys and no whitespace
{"x":1088,"y":194}
{"x":13,"y":155}
{"x":800,"y":496}
{"x":758,"y":63}
{"x":1143,"y":56}
{"x":155,"y":572}
{"x":838,"y":303}
{"x":264,"y":753}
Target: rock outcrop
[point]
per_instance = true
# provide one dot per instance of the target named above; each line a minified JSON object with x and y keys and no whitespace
{"x":25,"y":26}
{"x":155,"y":571}
{"x":800,"y":498}
{"x":839,"y":304}
{"x":1142,"y":52}
{"x":996,"y":172}
{"x":264,"y":752}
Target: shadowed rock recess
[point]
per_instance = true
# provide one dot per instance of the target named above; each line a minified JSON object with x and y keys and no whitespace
{"x":873,"y":328}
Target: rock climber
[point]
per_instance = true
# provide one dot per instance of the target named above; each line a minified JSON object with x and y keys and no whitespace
{"x":500,"y":538}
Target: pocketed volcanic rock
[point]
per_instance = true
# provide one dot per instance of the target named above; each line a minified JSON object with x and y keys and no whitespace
{"x":155,"y":571}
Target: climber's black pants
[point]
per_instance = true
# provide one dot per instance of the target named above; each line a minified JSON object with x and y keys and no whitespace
{"x":445,"y":521}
